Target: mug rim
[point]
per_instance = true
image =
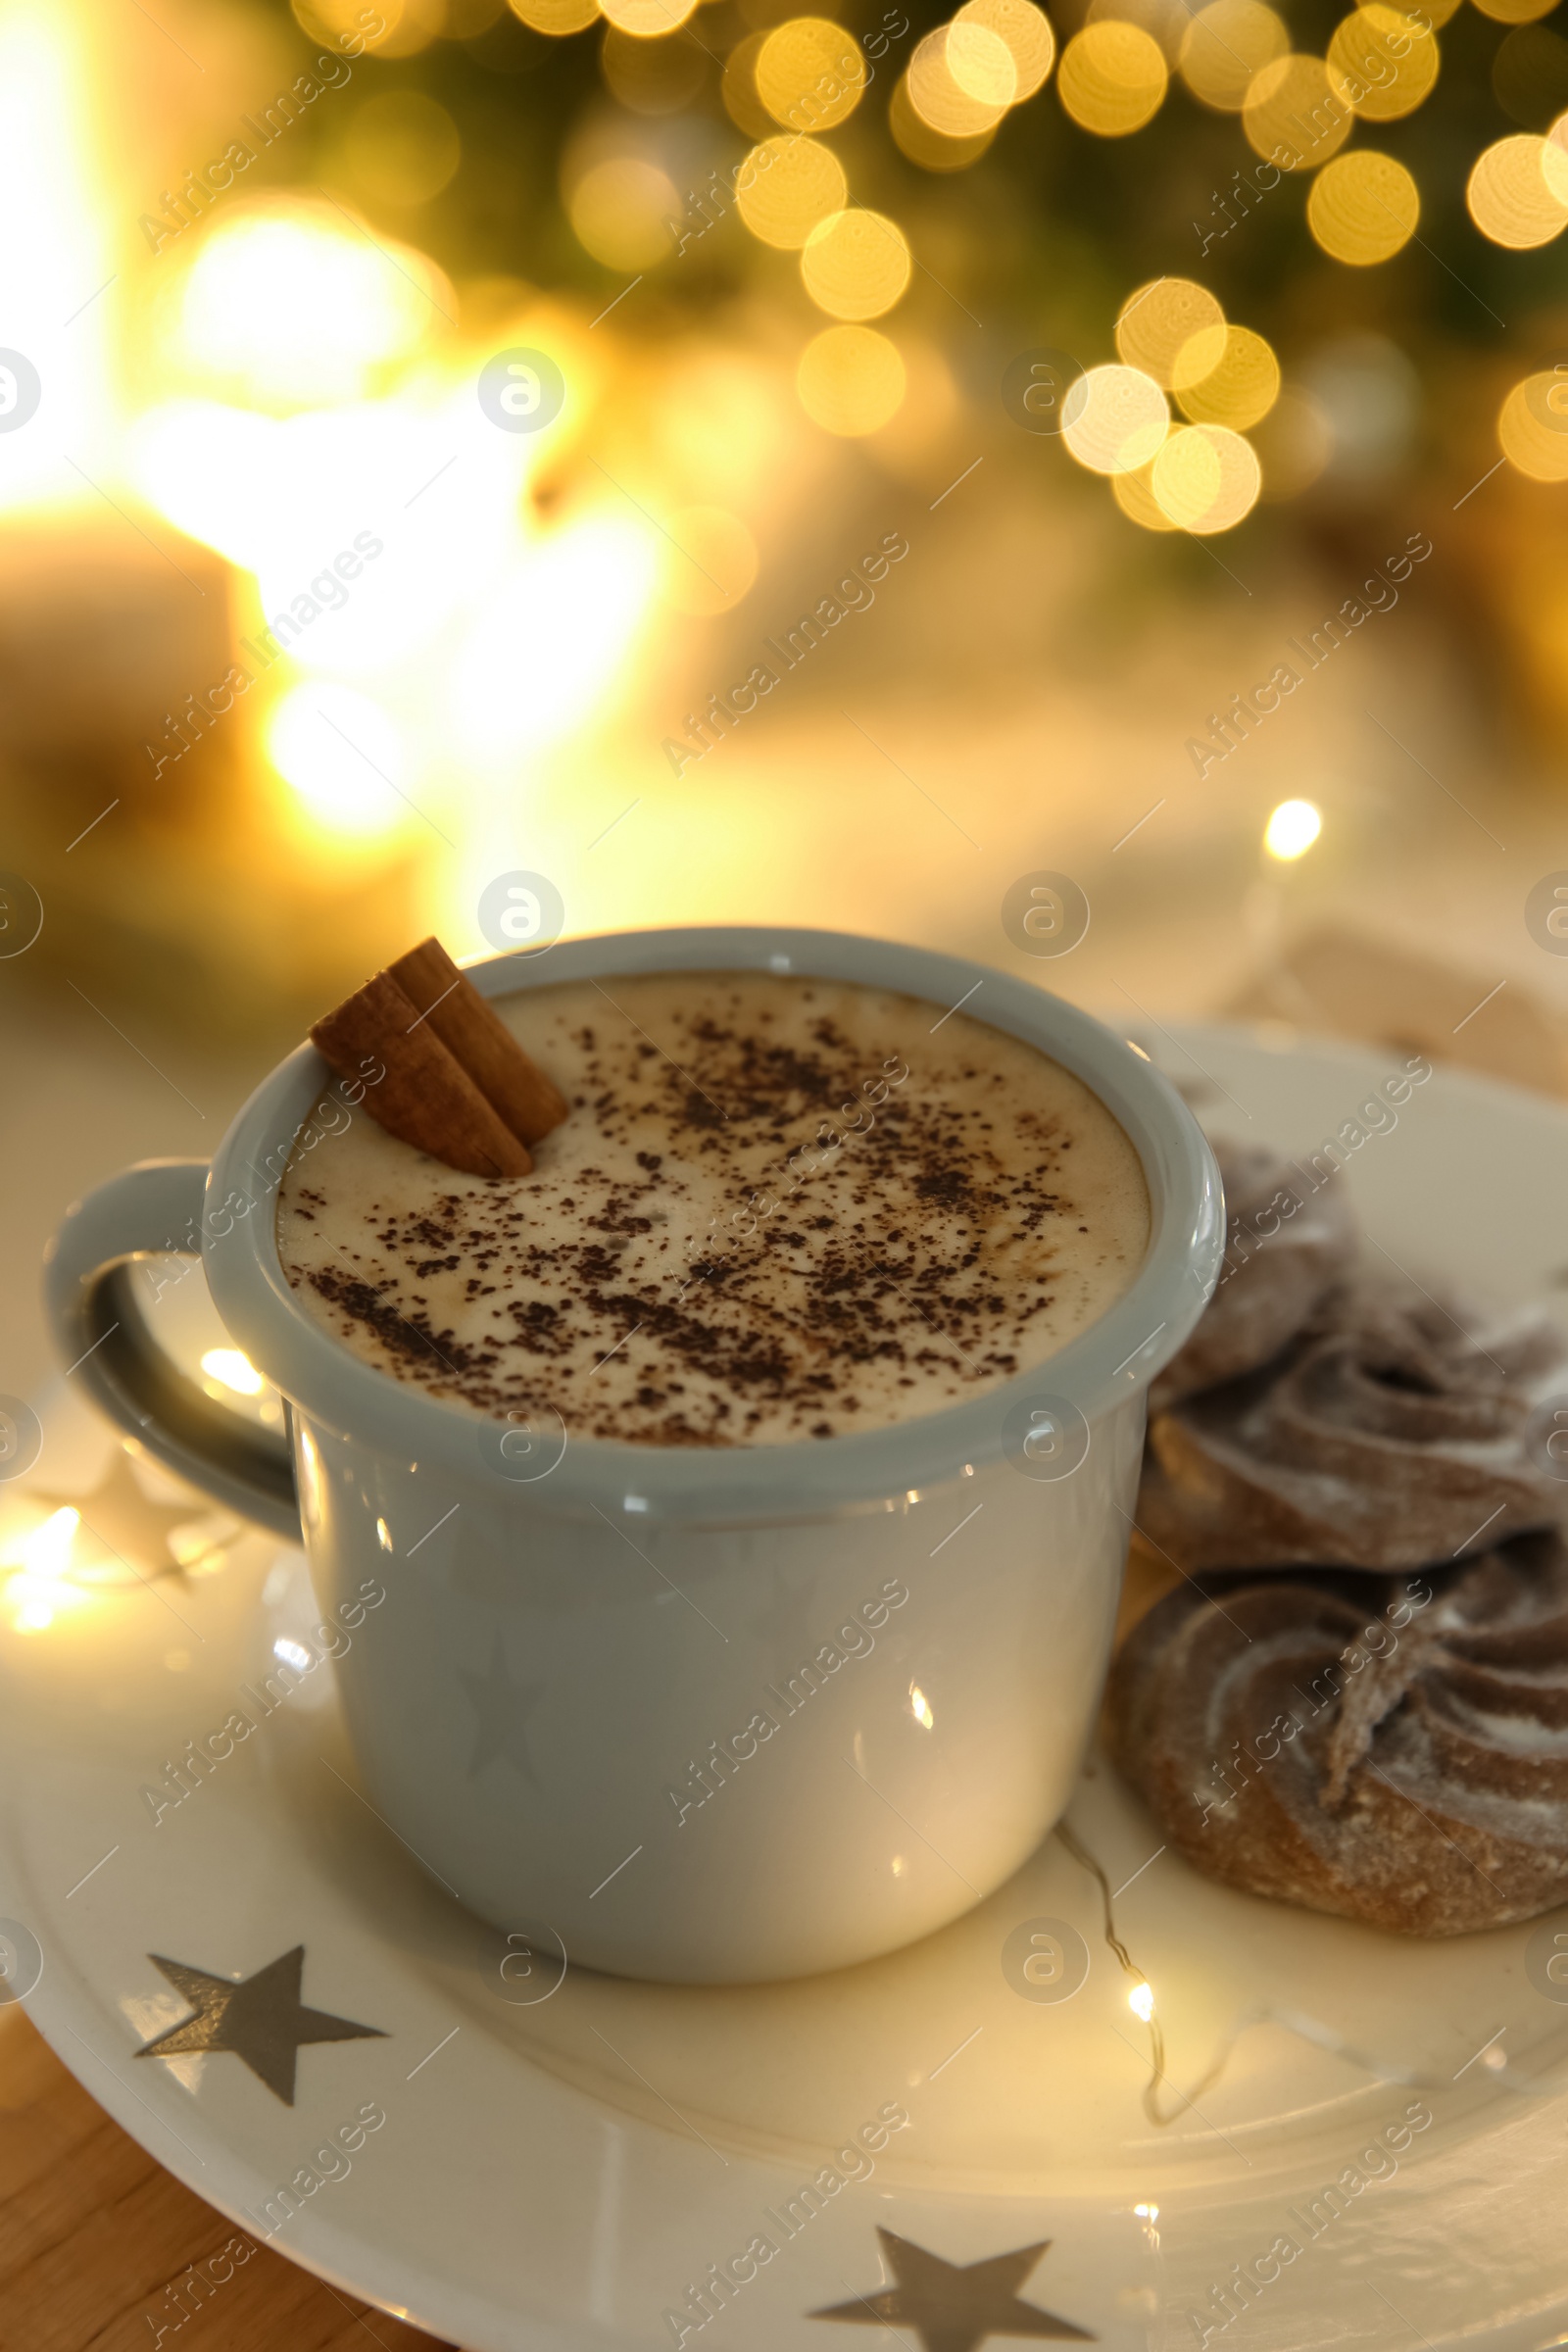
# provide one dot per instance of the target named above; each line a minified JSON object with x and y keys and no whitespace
{"x":1118,"y":1354}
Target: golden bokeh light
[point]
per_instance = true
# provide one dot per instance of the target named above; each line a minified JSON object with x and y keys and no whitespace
{"x":648,"y":19}
{"x":931,"y":149}
{"x":620,"y":211}
{"x":331,"y":19}
{"x":290,"y":302}
{"x":1291,"y":114}
{"x":810,"y":74}
{"x":1363,"y":207}
{"x":786,"y":185}
{"x":1225,"y":45}
{"x":711,"y":559}
{"x":1134,"y":494}
{"x":1510,"y":196}
{"x":1113,"y":79}
{"x":556,"y":16}
{"x":981,"y":63}
{"x":1206,"y":478}
{"x":1291,"y":829}
{"x":651,"y":77}
{"x":1173,"y":329}
{"x":855,"y":264}
{"x":1026,"y":31}
{"x":1239,"y":390}
{"x":1533,"y":427}
{"x":401,"y":147}
{"x":1554,"y":159}
{"x":1515,"y":11}
{"x":1383,"y":62}
{"x":405,"y":26}
{"x":1114,"y":419}
{"x":851,"y":380}
{"x":944,"y":103}
{"x":738,"y":89}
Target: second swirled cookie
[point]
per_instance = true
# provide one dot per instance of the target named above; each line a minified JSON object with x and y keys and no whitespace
{"x":1390,"y":1432}
{"x":1288,"y":1243}
{"x":1401,"y":1761}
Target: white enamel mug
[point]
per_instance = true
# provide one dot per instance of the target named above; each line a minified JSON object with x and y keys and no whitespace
{"x":708,"y":1715}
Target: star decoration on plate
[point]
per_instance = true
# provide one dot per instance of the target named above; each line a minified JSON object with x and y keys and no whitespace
{"x":501,"y":1704}
{"x":123,"y":1521}
{"x":259,"y":2017}
{"x":952,"y":2307}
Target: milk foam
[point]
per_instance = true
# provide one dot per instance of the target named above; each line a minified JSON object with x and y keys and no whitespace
{"x":780,"y":1210}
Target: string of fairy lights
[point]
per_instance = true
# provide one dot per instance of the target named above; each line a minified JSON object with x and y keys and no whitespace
{"x":1167,"y":426}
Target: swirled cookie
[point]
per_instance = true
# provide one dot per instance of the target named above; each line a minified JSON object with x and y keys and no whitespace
{"x":1399,"y":1761}
{"x":1285,"y":1247}
{"x":1390,"y":1432}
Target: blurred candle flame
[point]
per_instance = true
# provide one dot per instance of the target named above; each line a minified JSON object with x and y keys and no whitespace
{"x":57,"y":255}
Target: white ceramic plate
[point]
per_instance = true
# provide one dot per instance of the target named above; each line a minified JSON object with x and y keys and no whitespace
{"x":564,"y":2161}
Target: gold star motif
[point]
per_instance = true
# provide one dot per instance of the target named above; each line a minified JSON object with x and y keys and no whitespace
{"x":259,"y":2017}
{"x":121,"y":1520}
{"x":952,"y":2307}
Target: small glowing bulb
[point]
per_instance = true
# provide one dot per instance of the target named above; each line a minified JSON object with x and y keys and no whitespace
{"x":235,"y":1369}
{"x":920,"y":1706}
{"x":40,"y":1590}
{"x":48,"y":1547}
{"x":1140,"y":2001}
{"x":1291,"y":829}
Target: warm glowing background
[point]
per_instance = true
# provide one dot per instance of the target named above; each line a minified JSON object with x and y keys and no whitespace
{"x":1149,"y":333}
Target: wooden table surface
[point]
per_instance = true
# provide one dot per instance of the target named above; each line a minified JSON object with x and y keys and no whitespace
{"x":98,"y":2242}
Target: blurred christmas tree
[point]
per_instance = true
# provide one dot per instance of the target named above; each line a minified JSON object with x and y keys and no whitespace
{"x":1216,"y":249}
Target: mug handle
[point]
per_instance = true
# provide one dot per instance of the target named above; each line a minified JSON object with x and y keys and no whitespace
{"x":102,"y":1335}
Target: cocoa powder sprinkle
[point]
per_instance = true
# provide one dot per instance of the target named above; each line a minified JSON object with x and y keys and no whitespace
{"x":754,"y":1232}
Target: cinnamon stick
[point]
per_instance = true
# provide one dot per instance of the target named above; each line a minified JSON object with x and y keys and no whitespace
{"x":426,"y":1097}
{"x":476,"y":1034}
